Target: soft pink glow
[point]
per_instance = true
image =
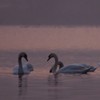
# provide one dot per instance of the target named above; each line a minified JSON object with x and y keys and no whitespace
{"x":49,"y":38}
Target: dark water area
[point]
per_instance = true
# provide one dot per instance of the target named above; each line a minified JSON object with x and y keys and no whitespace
{"x":40,"y":57}
{"x":40,"y":84}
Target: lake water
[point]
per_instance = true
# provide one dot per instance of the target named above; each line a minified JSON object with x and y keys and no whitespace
{"x":71,"y":44}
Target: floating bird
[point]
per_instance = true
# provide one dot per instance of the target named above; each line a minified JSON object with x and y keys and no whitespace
{"x":22,"y":69}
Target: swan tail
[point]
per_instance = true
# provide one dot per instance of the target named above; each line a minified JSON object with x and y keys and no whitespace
{"x":86,"y":71}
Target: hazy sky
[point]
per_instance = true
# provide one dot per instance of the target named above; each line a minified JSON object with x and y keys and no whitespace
{"x":50,"y":12}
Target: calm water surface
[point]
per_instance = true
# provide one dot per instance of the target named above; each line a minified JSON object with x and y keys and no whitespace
{"x":72,"y":45}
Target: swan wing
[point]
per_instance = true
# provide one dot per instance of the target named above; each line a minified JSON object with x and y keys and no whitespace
{"x":29,"y":67}
{"x":15,"y":70}
{"x":92,"y":68}
{"x":82,"y":66}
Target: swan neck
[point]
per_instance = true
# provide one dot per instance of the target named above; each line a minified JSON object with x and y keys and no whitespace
{"x":56,"y":60}
{"x":20,"y":69}
{"x":20,"y":61}
{"x":54,"y":68}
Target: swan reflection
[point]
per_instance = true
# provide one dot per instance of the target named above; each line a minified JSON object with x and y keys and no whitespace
{"x":53,"y":87}
{"x":53,"y":80}
{"x":22,"y":84}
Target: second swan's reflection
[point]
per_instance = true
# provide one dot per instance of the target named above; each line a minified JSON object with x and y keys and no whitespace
{"x":53,"y":80}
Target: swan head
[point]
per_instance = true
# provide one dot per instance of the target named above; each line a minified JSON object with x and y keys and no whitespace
{"x":23,"y":54}
{"x":60,"y":64}
{"x":51,"y":56}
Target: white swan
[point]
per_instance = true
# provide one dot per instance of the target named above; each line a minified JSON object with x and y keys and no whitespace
{"x":74,"y":68}
{"x":21,"y":69}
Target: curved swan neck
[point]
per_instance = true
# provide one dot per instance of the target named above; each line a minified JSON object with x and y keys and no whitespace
{"x":53,"y":69}
{"x":24,"y":55}
{"x":20,"y":69}
{"x":56,"y":60}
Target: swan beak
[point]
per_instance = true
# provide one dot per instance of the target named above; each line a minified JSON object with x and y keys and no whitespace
{"x":48,"y":59}
{"x":50,"y":71}
{"x":26,"y":59}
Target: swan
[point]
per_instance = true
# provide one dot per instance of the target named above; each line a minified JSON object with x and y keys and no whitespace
{"x":21,"y":69}
{"x":73,"y":68}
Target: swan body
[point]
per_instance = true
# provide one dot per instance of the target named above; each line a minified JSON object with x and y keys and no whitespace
{"x":92,"y":68}
{"x":21,"y":69}
{"x":73,"y":68}
{"x":25,"y":70}
{"x":76,"y":67}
